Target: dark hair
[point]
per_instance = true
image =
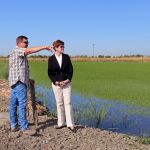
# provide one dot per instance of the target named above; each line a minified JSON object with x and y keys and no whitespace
{"x":20,"y":38}
{"x":57,"y":43}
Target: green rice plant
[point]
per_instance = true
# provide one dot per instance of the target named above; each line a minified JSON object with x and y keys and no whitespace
{"x":78,"y":114}
{"x":144,"y":140}
{"x":98,"y":115}
{"x":101,"y":116}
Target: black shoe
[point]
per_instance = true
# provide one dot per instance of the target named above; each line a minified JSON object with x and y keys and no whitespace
{"x":72,"y":129}
{"x":59,"y":127}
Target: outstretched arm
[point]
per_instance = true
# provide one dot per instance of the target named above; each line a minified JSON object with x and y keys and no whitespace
{"x":37,"y":49}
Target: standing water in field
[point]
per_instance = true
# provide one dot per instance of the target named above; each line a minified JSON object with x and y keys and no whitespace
{"x":104,"y":114}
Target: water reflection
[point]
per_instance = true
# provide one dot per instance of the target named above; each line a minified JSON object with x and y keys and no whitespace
{"x":104,"y":114}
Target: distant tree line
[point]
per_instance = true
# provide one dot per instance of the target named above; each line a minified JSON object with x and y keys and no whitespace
{"x":83,"y":56}
{"x":1,"y":56}
{"x":109,"y":56}
{"x":121,"y":56}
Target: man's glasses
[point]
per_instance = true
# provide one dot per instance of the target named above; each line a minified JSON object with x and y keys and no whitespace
{"x":26,"y":42}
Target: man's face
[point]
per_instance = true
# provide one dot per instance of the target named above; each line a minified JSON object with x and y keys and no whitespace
{"x":24,"y":43}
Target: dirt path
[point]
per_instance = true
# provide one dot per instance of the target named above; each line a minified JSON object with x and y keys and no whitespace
{"x":48,"y":138}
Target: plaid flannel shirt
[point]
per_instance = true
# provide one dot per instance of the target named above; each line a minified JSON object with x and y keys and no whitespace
{"x":18,"y":67}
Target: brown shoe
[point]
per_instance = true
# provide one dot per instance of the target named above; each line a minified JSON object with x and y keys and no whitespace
{"x":30,"y":132}
{"x":15,"y":129}
{"x":59,"y":127}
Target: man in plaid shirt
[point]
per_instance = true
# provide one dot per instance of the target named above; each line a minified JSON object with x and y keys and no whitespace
{"x":18,"y":81}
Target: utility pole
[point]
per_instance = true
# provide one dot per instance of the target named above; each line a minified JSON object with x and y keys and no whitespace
{"x":93,"y":45}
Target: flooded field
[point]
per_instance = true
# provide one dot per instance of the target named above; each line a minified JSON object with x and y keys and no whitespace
{"x":104,"y":114}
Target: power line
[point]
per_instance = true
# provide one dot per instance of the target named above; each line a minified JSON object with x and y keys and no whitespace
{"x":93,"y":45}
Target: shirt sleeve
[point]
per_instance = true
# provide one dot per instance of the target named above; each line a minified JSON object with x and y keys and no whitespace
{"x":20,"y":51}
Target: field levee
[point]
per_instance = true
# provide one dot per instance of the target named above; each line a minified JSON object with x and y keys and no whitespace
{"x":95,"y":59}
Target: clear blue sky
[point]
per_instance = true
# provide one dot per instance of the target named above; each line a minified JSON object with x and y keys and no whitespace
{"x":115,"y":26}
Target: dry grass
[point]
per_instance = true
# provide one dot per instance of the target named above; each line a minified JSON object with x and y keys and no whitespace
{"x":96,"y":59}
{"x":123,"y":59}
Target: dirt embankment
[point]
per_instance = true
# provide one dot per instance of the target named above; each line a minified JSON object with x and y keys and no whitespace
{"x":48,"y":138}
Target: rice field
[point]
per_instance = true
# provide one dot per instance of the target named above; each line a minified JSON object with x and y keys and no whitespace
{"x":127,"y":82}
{"x":122,"y":81}
{"x":3,"y":69}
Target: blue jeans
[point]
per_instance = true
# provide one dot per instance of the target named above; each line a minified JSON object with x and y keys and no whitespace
{"x":18,"y":98}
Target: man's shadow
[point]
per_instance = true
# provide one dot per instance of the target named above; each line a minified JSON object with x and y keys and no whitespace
{"x":47,"y":123}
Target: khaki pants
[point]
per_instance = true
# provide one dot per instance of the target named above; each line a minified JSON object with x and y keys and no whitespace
{"x":64,"y":106}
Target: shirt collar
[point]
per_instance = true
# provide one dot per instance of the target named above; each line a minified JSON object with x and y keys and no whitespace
{"x":58,"y":56}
